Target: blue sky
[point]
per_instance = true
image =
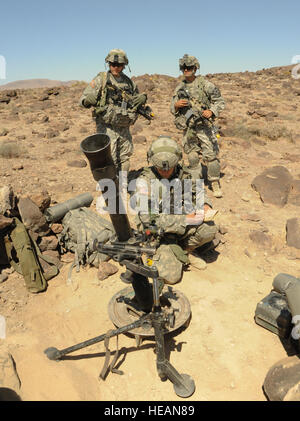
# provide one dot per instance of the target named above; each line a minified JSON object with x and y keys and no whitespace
{"x":66,"y":40}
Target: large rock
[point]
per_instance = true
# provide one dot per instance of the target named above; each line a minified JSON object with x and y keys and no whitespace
{"x":7,"y":199}
{"x":49,"y":242}
{"x":293,"y":232}
{"x":41,"y":199}
{"x":32,"y":217}
{"x":273,"y":185}
{"x":282,"y":382}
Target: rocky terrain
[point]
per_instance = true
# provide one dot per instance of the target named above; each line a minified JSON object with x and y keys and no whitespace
{"x":34,"y":83}
{"x":223,"y":349}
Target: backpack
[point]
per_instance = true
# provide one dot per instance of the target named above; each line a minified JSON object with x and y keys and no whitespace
{"x":81,"y":227}
{"x":25,"y":256}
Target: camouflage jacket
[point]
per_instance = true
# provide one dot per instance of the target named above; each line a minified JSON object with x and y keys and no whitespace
{"x":168,"y":221}
{"x":94,"y":92}
{"x":201,"y":92}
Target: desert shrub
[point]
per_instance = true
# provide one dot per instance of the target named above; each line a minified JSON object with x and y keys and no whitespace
{"x":275,"y":131}
{"x":271,"y":132}
{"x":243,"y":131}
{"x":11,"y":150}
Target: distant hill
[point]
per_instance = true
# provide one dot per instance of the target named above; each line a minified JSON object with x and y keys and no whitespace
{"x":35,"y":83}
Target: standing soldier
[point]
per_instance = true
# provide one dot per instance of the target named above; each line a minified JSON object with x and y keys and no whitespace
{"x":195,"y":104}
{"x":115,"y":99}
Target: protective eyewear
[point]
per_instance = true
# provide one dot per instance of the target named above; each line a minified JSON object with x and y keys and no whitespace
{"x":116,"y":64}
{"x":188,"y":67}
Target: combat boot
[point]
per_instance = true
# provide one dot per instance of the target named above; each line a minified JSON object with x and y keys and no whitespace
{"x":196,"y":262}
{"x":217,"y":192}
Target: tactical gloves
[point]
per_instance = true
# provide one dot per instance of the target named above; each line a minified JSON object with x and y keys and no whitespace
{"x":138,"y":100}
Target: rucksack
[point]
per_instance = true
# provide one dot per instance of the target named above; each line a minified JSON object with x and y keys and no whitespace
{"x":81,"y":227}
{"x":25,"y":256}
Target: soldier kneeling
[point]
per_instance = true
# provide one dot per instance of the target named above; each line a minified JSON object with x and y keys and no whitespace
{"x":183,"y":230}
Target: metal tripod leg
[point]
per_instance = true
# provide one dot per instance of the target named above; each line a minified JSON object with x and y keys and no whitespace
{"x":183,"y":384}
{"x":55,"y":354}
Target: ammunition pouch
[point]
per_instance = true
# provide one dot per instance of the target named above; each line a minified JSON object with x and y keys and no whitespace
{"x":119,"y":116}
{"x":188,"y":119}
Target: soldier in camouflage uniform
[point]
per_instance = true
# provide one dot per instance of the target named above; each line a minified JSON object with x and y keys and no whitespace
{"x":195,"y":104}
{"x":109,"y":93}
{"x":182,"y":233}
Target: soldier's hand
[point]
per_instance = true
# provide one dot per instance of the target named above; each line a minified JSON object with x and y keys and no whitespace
{"x":195,"y":218}
{"x":139,"y":99}
{"x":181,"y":103}
{"x":207,"y":113}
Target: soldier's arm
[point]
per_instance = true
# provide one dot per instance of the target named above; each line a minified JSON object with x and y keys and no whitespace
{"x":217,"y":101}
{"x":90,"y":95}
{"x":135,"y":88}
{"x":175,"y":224}
{"x":174,"y":99}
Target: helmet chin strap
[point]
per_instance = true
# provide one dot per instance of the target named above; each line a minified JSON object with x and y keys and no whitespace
{"x":165,"y":165}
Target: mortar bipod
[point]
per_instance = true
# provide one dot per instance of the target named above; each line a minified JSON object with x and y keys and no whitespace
{"x":183,"y":384}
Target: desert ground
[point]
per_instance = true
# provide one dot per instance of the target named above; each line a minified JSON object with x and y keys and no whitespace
{"x":226,"y":353}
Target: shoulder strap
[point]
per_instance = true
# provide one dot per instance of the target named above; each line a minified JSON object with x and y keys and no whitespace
{"x":103,"y":91}
{"x":53,"y":270}
{"x":129,"y":81}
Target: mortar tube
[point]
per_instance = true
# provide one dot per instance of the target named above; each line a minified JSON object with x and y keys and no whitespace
{"x":97,"y":150}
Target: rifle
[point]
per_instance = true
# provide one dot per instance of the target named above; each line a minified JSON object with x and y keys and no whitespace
{"x":193,"y":111}
{"x":125,"y":100}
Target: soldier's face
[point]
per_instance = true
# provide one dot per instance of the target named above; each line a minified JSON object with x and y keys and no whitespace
{"x":116,"y":68}
{"x":189,"y":71}
{"x":165,"y":173}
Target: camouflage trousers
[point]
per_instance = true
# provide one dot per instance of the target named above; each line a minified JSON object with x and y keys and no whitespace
{"x":121,"y":144}
{"x":203,"y":141}
{"x":169,"y":264}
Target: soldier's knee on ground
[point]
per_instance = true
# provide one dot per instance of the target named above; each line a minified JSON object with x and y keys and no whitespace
{"x":168,"y":266}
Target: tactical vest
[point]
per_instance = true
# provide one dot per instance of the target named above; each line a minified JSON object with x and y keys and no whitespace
{"x":112,"y":106}
{"x":199,"y":101}
{"x":181,"y":173}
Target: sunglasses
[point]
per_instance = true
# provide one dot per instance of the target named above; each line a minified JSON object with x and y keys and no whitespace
{"x":188,"y":67}
{"x":115,"y":64}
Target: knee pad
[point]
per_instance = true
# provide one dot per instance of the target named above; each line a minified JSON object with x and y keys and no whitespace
{"x":213,"y":170}
{"x":193,"y":159}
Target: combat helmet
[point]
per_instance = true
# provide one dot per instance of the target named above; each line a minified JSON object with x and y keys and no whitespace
{"x":188,"y":61}
{"x":116,"y":56}
{"x":164,"y":153}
